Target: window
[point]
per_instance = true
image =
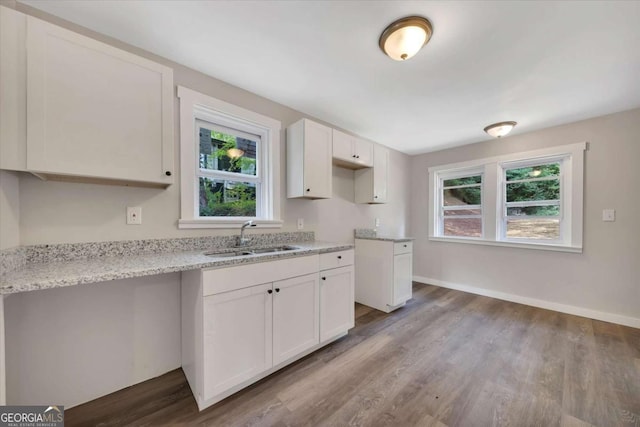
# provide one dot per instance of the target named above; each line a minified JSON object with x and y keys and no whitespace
{"x":531,"y":199}
{"x":229,"y":159}
{"x":461,"y":205}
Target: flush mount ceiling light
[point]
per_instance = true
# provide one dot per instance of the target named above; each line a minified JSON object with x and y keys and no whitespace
{"x":405,"y":37}
{"x":498,"y":130}
{"x":235,"y":153}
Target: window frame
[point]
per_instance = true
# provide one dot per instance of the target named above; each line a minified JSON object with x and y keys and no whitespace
{"x":494,"y":195}
{"x":456,"y":174}
{"x":196,"y":108}
{"x":565,"y":231}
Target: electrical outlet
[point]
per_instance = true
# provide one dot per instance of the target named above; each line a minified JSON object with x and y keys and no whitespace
{"x":134,"y":215}
{"x":300,"y":223}
{"x":377,"y":222}
{"x":609,"y":215}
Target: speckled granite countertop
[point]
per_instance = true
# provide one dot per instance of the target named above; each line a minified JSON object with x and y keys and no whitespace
{"x":370,"y":234}
{"x":56,"y":274}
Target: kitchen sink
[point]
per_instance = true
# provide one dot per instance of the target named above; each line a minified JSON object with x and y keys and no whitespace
{"x":246,"y":252}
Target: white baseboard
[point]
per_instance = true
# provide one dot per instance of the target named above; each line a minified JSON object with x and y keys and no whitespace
{"x":562,"y":308}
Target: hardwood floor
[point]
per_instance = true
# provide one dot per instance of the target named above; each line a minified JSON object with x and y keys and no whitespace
{"x":446,"y":359}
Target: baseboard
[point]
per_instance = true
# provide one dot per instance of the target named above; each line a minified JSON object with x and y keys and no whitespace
{"x":562,"y":308}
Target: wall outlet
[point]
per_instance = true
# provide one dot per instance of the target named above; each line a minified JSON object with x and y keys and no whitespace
{"x":609,"y":215}
{"x":377,"y":222}
{"x":134,"y":215}
{"x":300,"y":223}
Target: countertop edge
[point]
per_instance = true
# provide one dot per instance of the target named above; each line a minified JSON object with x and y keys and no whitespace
{"x":18,"y":281}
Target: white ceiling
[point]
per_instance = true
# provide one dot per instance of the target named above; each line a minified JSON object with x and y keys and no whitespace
{"x":539,"y":63}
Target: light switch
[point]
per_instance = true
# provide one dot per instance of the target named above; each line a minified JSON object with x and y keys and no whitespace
{"x":609,"y":215}
{"x":134,"y":215}
{"x":300,"y":223}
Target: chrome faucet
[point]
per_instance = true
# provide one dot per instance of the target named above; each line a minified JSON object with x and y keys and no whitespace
{"x":244,"y":240}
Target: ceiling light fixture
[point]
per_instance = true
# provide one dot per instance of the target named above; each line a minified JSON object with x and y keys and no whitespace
{"x":498,"y":130}
{"x":405,"y":37}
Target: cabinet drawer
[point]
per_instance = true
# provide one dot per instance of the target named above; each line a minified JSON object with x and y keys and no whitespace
{"x":336,"y":259}
{"x":228,"y":279}
{"x":402,"y":248}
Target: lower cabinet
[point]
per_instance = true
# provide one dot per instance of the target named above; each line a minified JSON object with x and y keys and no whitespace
{"x":296,"y":305}
{"x":241,"y":323}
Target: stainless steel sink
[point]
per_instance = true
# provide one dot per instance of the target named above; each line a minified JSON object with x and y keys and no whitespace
{"x":246,"y":252}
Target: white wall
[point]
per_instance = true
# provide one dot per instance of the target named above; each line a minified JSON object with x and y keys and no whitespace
{"x":603,"y":281}
{"x":60,"y":212}
{"x":70,"y":345}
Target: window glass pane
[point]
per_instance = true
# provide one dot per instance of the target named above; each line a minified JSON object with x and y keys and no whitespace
{"x":539,"y":171}
{"x":463,"y":227}
{"x":542,"y":229}
{"x":477,"y":179}
{"x":462,"y":196}
{"x":533,"y":190}
{"x":227,"y":198}
{"x":223,"y":152}
{"x":534,"y":211}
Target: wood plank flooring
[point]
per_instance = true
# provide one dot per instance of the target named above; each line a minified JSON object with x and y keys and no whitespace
{"x":446,"y":359}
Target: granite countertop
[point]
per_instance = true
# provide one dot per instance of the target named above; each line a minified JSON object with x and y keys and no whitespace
{"x":388,"y":238}
{"x":372,"y":234}
{"x":56,"y":274}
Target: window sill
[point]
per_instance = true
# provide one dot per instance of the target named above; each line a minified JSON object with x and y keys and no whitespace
{"x":227,"y":223}
{"x":536,"y":246}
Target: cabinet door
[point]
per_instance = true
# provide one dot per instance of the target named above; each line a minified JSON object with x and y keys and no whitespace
{"x":342,"y":147}
{"x":402,"y":278}
{"x":363,"y":151}
{"x":380,"y":174}
{"x":96,"y":111}
{"x":336,"y":301}
{"x":237,"y":337}
{"x":295,"y":316}
{"x":317,"y":160}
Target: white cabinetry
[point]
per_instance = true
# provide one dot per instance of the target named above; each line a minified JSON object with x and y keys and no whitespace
{"x":383,"y":273}
{"x":295,"y":316}
{"x":309,"y":170}
{"x":371,"y":184}
{"x":336,"y":294}
{"x":351,"y":152}
{"x":91,"y":112}
{"x":241,"y":323}
{"x":235,"y":354}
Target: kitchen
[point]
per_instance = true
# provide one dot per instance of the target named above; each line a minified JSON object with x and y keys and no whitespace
{"x":120,"y":333}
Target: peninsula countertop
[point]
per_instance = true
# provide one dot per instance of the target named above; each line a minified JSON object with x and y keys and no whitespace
{"x":57,"y":274}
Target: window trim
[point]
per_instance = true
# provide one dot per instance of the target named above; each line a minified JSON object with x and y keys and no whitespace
{"x":195,"y":106}
{"x":572,"y":174}
{"x":453,"y":174}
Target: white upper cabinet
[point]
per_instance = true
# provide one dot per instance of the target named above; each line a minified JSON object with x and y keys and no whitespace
{"x":92,"y":110}
{"x":351,"y":152}
{"x":309,"y":169}
{"x":371,"y":184}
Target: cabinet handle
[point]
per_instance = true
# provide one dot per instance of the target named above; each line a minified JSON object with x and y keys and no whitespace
{"x":324,"y":278}
{"x":269,"y":291}
{"x":405,"y":246}
{"x":308,"y":189}
{"x":339,"y":256}
{"x":277,"y":289}
{"x":357,"y":157}
{"x":375,"y":197}
{"x":354,"y":156}
{"x":168,"y":173}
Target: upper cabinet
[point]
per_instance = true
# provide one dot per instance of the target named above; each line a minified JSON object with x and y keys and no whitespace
{"x":309,"y":169}
{"x":351,"y":152}
{"x":371,"y":184}
{"x":92,"y":112}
